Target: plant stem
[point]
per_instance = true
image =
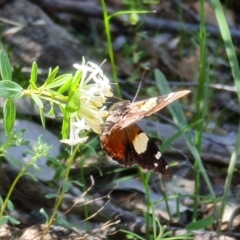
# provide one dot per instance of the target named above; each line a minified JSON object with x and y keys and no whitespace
{"x":233,"y":61}
{"x":21,"y":173}
{"x":201,"y":106}
{"x":60,"y":198}
{"x":110,"y":47}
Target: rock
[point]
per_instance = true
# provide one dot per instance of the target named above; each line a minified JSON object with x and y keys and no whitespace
{"x":35,"y":37}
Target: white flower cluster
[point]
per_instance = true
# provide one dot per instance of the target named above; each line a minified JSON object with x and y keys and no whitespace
{"x":94,"y":87}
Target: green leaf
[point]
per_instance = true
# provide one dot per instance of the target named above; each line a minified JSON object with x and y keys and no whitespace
{"x":33,"y":78}
{"x":76,"y":80}
{"x":52,"y":110}
{"x":77,"y":183}
{"x":65,"y":125}
{"x":10,"y":205}
{"x":73,"y":102}
{"x":51,"y":76}
{"x":42,"y":117}
{"x":9,"y":115}
{"x":39,"y":103}
{"x":65,"y":86}
{"x":36,"y":168}
{"x":51,"y":196}
{"x":54,"y":94}
{"x":5,"y":66}
{"x":61,"y":80}
{"x":132,"y":235}
{"x":65,"y":186}
{"x":179,"y":118}
{"x":178,"y":134}
{"x":43,"y":212}
{"x":11,"y":90}
{"x":37,"y":100}
{"x":13,"y":220}
{"x":201,"y":224}
{"x":3,"y":220}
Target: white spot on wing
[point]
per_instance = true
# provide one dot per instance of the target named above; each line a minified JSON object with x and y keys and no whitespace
{"x":170,"y":95}
{"x":155,"y":164}
{"x":158,"y":155}
{"x":149,"y":104}
{"x":140,"y":143}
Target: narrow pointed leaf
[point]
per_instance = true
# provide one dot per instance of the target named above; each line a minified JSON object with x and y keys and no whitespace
{"x":200,"y":224}
{"x":65,"y":86}
{"x":9,"y":115}
{"x":42,"y":117}
{"x":51,"y":76}
{"x":5,"y":66}
{"x":37,"y":100}
{"x":59,"y":81}
{"x":10,"y":205}
{"x":33,"y":78}
{"x":65,"y":125}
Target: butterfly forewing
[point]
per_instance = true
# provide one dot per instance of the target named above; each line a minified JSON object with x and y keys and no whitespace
{"x":133,"y":112}
{"x":164,"y":100}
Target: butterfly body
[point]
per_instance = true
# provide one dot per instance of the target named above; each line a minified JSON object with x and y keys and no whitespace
{"x":126,"y":143}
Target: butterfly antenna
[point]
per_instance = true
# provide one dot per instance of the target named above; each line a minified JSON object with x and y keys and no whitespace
{"x":139,"y":86}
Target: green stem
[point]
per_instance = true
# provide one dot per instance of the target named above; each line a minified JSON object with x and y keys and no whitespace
{"x":60,"y":198}
{"x":145,"y":180}
{"x":40,"y":93}
{"x":21,"y":173}
{"x":110,"y":47}
{"x":233,"y":61}
{"x":201,"y":106}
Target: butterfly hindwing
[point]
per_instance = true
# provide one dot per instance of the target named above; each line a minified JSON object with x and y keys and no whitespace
{"x":131,"y":146}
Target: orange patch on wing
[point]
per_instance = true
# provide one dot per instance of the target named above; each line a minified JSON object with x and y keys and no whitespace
{"x":116,"y":143}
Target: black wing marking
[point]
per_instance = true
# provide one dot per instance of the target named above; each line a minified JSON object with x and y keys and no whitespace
{"x":131,"y":146}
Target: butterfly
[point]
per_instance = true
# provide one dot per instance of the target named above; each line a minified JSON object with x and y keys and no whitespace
{"x":125,"y":142}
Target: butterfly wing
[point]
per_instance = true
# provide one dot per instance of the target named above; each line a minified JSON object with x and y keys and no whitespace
{"x":130,"y":146}
{"x":125,"y":113}
{"x":126,"y":143}
{"x":153,"y":105}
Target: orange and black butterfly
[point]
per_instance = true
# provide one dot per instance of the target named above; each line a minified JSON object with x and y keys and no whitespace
{"x":126,"y":143}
